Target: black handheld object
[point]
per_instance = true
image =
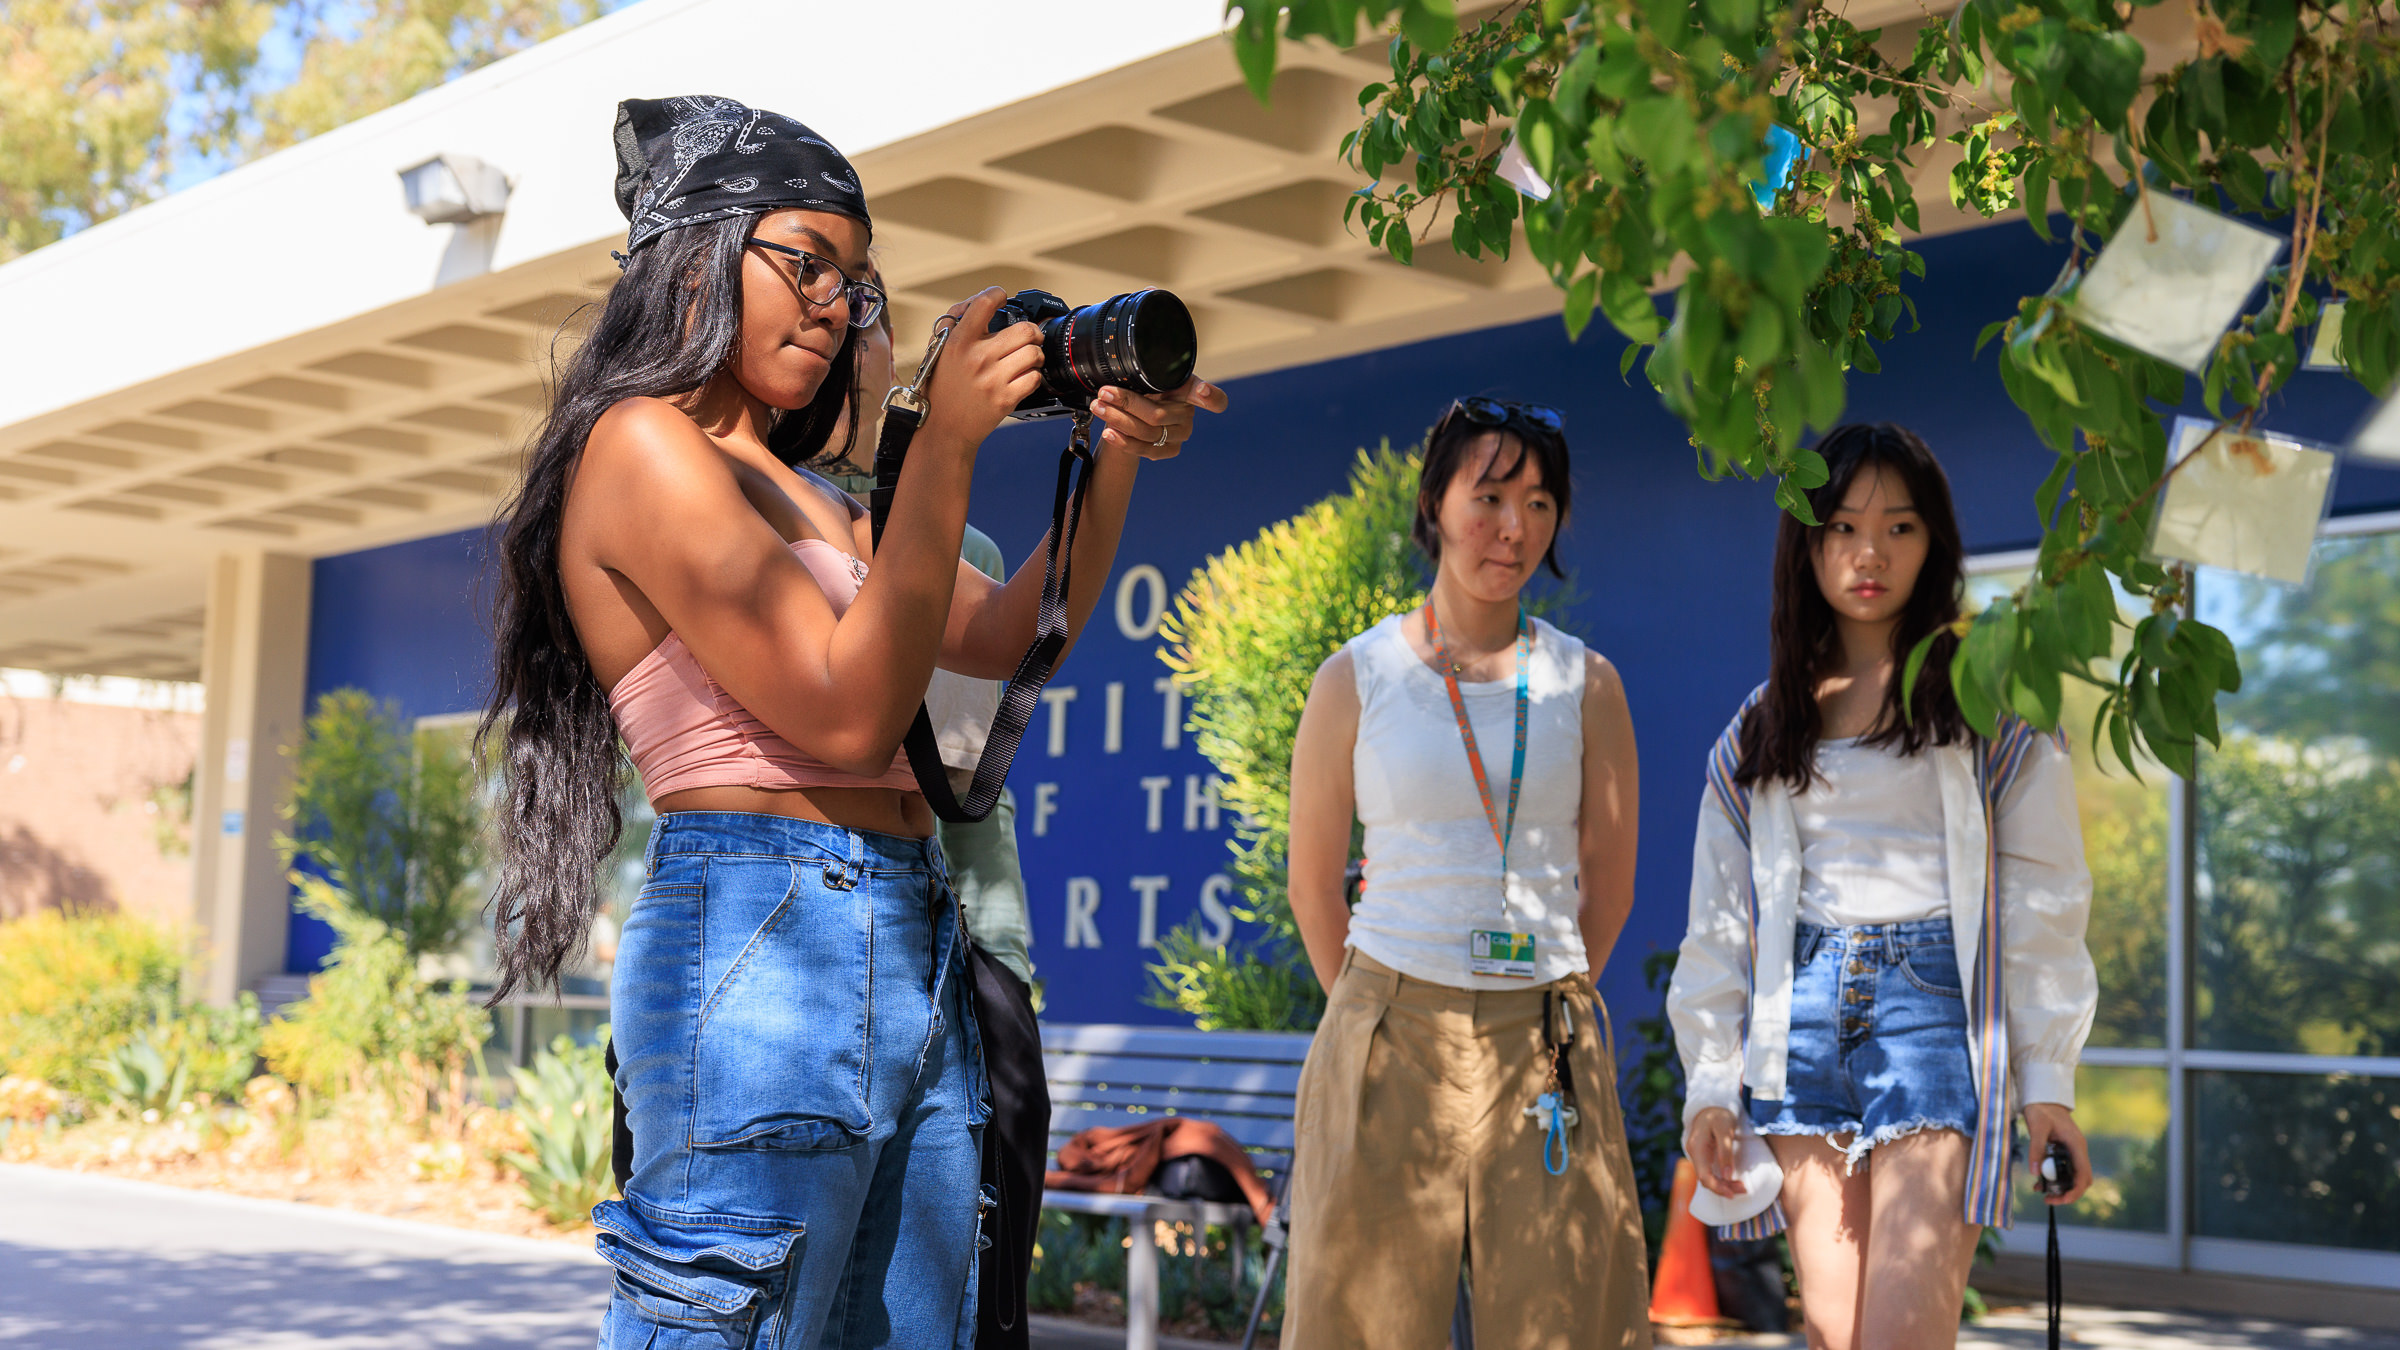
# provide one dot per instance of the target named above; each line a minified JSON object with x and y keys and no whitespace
{"x":1142,"y":340}
{"x":2057,"y":1177}
{"x":2058,"y":1169}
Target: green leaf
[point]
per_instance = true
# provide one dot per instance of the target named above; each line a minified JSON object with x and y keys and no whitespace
{"x":1910,"y":672}
{"x":1430,"y":25}
{"x":1580,"y":296}
{"x":1628,"y":306}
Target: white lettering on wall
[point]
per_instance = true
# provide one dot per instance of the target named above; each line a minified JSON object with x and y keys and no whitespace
{"x":1148,"y":888}
{"x":1083,"y":906}
{"x":1212,"y":907}
{"x":1171,"y":737}
{"x":1157,"y":788}
{"x":1200,"y":803}
{"x":1045,"y":805}
{"x":1141,"y":576}
{"x":1112,"y":726}
{"x":1058,"y":697}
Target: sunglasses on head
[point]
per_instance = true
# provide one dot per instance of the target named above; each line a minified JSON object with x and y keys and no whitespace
{"x":1492,"y":412}
{"x":820,"y":280}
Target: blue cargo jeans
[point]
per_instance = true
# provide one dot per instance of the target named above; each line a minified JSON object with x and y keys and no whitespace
{"x":805,"y":1089}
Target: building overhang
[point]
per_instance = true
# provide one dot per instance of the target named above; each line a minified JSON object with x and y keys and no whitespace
{"x":286,"y":359}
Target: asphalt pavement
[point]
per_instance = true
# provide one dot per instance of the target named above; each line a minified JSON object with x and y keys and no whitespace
{"x":97,"y":1263}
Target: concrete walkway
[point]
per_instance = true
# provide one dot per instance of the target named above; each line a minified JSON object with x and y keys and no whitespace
{"x":94,"y":1263}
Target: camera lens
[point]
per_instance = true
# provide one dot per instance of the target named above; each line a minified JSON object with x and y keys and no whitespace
{"x":1143,"y":341}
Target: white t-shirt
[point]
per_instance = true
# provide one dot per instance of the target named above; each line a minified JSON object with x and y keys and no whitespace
{"x":1433,"y":867}
{"x":1871,"y":838}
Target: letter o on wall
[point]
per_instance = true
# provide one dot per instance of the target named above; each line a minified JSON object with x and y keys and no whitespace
{"x":1141,"y":576}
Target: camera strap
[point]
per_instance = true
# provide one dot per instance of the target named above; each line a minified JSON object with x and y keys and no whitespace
{"x":904,"y":412}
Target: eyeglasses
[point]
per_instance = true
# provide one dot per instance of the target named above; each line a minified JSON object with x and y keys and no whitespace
{"x":820,"y":281}
{"x":1492,"y":412}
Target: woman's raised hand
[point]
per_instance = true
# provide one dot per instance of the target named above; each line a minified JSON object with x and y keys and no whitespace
{"x":982,"y":375}
{"x":1714,"y":1144}
{"x":1154,"y":427}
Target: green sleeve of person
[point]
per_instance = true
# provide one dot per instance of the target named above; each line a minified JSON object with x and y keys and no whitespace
{"x":983,"y":857}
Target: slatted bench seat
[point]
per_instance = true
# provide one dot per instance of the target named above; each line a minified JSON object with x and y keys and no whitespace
{"x":1243,"y":1081}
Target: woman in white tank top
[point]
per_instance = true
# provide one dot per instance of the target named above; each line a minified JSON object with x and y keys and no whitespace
{"x":1458,"y":1108}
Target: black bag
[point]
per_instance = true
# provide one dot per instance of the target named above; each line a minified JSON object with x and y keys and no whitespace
{"x":1016,"y":1148}
{"x":1193,"y":1177}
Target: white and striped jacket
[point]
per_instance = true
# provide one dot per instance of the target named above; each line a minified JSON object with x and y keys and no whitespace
{"x":2015,"y":855}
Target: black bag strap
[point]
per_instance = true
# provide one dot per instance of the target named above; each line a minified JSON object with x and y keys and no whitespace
{"x":2057,"y":1293}
{"x":1024,"y":689}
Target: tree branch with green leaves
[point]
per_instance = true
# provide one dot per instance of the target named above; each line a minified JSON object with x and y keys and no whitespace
{"x":1653,"y":126}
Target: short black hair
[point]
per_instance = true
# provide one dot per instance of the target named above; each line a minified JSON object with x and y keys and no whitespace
{"x":1446,"y":448}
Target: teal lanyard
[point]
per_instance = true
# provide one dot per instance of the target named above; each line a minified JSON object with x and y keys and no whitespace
{"x":1502,"y":830}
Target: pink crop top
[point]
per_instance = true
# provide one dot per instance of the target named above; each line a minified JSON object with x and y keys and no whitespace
{"x":684,"y":731}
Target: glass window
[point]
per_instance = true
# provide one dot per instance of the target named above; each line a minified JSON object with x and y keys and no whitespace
{"x":2296,"y":903}
{"x":2125,"y":840}
{"x":2297,"y":1158}
{"x":620,"y":878}
{"x":2123,"y":1113}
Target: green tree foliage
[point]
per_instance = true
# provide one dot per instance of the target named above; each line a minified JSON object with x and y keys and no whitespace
{"x":371,"y":1021}
{"x":102,"y":102}
{"x":80,"y":992}
{"x":564,"y":1102}
{"x":1650,"y":120}
{"x":391,"y":817}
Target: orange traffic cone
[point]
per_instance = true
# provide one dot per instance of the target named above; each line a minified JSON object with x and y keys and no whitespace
{"x":1684,"y":1291}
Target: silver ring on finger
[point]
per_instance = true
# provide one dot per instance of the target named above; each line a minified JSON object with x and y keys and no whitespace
{"x":1161,"y":442}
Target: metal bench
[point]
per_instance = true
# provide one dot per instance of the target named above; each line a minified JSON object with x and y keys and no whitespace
{"x":1243,"y":1081}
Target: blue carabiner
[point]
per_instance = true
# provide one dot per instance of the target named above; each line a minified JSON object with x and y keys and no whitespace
{"x":1554,"y":1139}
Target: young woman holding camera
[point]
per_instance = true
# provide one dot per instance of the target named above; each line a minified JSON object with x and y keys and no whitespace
{"x":1885,"y":957}
{"x":797,"y":1059}
{"x":1459,"y":1102}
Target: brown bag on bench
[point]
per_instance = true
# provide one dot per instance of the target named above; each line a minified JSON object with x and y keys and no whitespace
{"x":1121,"y":1159}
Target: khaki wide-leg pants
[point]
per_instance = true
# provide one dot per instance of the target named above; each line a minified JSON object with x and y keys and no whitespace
{"x":1414,"y":1150}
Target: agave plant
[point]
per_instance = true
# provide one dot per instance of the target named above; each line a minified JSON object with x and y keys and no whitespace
{"x":564,"y":1101}
{"x":142,"y":1077}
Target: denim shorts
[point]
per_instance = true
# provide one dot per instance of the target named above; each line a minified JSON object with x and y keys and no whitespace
{"x":805,"y":1087}
{"x":1879,"y":1038}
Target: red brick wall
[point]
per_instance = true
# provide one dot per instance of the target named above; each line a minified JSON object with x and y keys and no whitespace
{"x":79,"y":823}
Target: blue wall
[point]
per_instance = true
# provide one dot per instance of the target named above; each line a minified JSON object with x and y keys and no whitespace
{"x":1673,"y":571}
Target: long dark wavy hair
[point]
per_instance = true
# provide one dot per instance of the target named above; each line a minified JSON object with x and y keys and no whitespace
{"x":1779,"y":737}
{"x":669,"y":325}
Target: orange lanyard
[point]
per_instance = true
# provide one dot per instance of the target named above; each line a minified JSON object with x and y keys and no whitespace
{"x":1502,"y":831}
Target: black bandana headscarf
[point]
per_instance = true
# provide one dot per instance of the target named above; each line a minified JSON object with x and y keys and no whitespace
{"x":681,"y":161}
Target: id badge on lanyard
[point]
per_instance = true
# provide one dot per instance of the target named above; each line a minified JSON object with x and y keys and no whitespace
{"x":1493,"y":951}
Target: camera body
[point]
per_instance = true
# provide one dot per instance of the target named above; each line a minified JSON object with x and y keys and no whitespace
{"x":1143,"y":341}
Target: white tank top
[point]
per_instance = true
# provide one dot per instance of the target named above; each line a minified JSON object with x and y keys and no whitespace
{"x":1871,"y":838}
{"x":1433,"y":868}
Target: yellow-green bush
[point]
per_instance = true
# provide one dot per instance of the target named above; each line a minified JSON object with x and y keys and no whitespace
{"x":74,"y":987}
{"x":370,"y":1020}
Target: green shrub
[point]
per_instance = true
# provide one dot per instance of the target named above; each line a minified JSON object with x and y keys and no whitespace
{"x":390,"y":816}
{"x":75,"y":987}
{"x":564,"y":1103}
{"x":370,"y":1020}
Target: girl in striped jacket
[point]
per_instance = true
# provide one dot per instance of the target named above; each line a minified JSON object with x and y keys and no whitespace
{"x":1885,"y":962}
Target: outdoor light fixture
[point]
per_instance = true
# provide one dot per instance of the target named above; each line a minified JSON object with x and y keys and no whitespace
{"x":453,"y":189}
